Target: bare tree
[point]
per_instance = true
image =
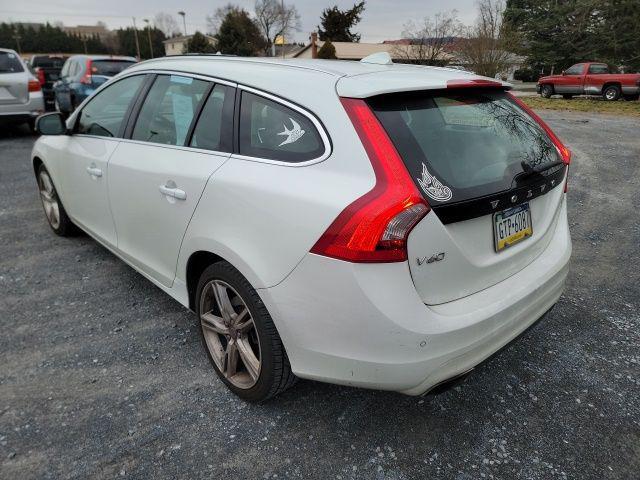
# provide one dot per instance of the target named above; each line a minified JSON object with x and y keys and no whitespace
{"x":428,"y":40}
{"x":276,"y":19}
{"x":167,"y":24}
{"x":483,"y":49}
{"x":214,"y":21}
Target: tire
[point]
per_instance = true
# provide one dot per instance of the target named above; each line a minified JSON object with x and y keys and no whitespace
{"x":611,"y":93}
{"x":53,"y":209}
{"x":567,"y":96}
{"x":32,"y":126}
{"x":223,"y":341}
{"x":546,"y":91}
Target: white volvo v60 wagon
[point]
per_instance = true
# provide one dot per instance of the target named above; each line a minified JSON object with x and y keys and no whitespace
{"x":362,"y":223}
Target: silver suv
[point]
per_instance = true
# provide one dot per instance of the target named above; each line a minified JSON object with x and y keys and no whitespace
{"x":20,"y":92}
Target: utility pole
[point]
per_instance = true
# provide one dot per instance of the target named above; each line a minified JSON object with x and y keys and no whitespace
{"x":184,"y":23}
{"x":284,"y":27}
{"x":17,"y":39}
{"x":146,"y":20}
{"x":135,"y":32}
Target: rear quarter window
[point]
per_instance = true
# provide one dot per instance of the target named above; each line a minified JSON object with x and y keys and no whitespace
{"x":273,"y":131}
{"x":10,"y":63}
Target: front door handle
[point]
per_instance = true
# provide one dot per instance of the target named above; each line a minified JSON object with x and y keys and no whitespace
{"x":94,"y":171}
{"x":170,"y":190}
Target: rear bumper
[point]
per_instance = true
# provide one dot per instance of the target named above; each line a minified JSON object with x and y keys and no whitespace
{"x":365,"y":325}
{"x":23,"y":112}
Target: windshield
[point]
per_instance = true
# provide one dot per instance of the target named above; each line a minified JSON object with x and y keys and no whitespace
{"x":48,"y":62}
{"x":109,"y":68}
{"x":9,"y":63}
{"x":467,"y":144}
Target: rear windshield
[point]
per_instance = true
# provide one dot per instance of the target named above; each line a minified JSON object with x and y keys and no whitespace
{"x":48,"y":62}
{"x":9,"y":63}
{"x":109,"y":68}
{"x":459,"y":146}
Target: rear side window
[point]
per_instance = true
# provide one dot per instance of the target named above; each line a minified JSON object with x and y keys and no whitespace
{"x":109,"y":68}
{"x":9,"y":63}
{"x":104,"y":114}
{"x":214,"y":129}
{"x":459,"y":146}
{"x":168,"y":110}
{"x":598,"y":69}
{"x":273,"y":131}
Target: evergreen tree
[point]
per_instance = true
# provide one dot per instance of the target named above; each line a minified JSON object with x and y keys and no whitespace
{"x":336,"y":24}
{"x":198,"y":43}
{"x":327,"y":51}
{"x":239,"y":35}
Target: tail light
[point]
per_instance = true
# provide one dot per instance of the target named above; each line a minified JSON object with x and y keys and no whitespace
{"x":375,"y":227}
{"x":41,"y":77}
{"x":34,"y":86}
{"x":565,"y":153}
{"x":86,"y":78}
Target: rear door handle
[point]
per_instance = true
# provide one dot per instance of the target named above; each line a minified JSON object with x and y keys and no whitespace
{"x":171,"y":191}
{"x":94,"y":171}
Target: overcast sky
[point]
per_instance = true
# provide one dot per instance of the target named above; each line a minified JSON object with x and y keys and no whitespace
{"x":382,"y":19}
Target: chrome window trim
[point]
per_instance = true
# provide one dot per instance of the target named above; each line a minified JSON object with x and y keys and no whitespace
{"x":310,"y":116}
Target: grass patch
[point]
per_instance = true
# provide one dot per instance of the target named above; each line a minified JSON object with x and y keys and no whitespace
{"x":621,"y":107}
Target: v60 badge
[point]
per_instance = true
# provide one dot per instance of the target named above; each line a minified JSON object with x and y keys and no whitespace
{"x":433,"y":258}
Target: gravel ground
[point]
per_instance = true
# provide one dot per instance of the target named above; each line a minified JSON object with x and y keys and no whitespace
{"x":102,"y":375}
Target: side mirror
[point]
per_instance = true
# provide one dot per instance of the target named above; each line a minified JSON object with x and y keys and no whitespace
{"x":563,"y":73}
{"x":51,"y":124}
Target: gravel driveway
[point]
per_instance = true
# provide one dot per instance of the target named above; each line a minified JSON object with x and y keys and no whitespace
{"x":102,"y":375}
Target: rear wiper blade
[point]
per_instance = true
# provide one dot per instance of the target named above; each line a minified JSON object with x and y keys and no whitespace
{"x":529,"y":170}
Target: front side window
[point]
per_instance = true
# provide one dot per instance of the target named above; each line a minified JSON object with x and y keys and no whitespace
{"x":575,"y":70}
{"x":104,"y":114}
{"x":9,"y":63}
{"x":168,"y":110}
{"x":598,"y":69}
{"x":272,"y":131}
{"x":472,"y":143}
{"x":214,"y":129}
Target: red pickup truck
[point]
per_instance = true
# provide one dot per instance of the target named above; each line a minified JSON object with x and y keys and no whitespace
{"x":591,"y":78}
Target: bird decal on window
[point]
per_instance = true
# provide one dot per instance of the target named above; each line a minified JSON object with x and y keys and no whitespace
{"x":292,"y":135}
{"x":433,"y":187}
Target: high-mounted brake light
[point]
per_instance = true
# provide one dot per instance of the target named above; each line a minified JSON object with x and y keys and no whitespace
{"x":34,"y":86}
{"x":375,"y":227}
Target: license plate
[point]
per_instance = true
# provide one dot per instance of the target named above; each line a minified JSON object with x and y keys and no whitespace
{"x":511,"y":226}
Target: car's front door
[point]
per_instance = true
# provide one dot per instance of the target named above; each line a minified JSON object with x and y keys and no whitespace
{"x":86,"y":171}
{"x":572,"y":81}
{"x":158,"y":175}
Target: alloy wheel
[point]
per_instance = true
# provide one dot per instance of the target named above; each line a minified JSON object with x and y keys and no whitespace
{"x":230,"y":334}
{"x":49,"y":199}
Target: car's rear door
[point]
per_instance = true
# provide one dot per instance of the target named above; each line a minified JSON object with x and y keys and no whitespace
{"x":182,"y":134}
{"x":14,"y":80}
{"x":493,"y":179}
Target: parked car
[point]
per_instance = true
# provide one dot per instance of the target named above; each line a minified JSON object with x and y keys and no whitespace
{"x":82,"y":74}
{"x":20,"y":93}
{"x":389,"y":228}
{"x":47,"y":69}
{"x":591,"y":78}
